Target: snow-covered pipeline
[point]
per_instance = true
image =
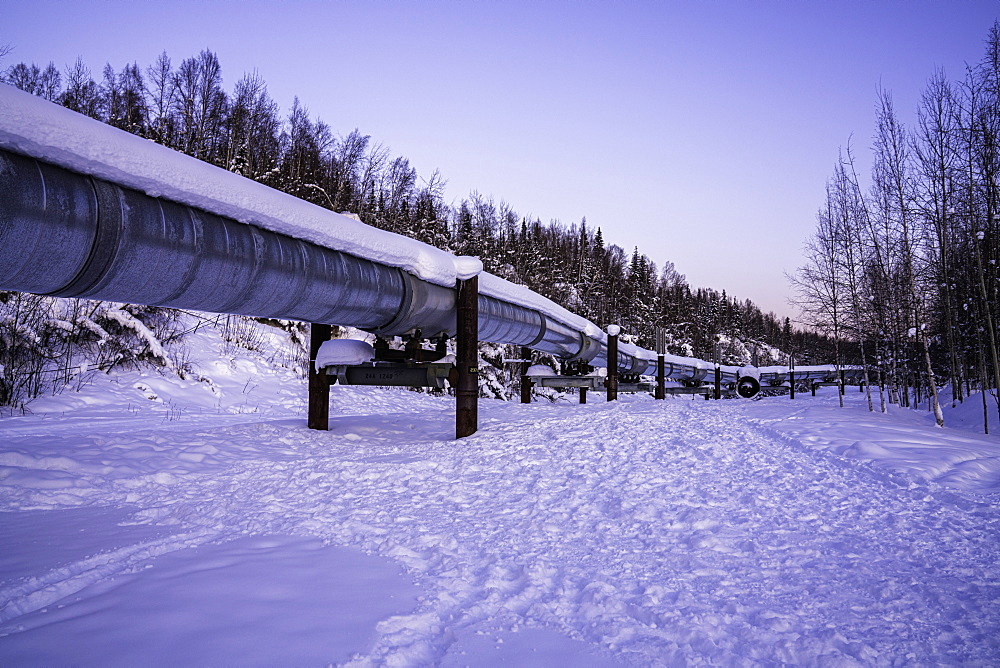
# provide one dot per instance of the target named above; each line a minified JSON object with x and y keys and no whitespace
{"x":88,"y":210}
{"x":70,"y":235}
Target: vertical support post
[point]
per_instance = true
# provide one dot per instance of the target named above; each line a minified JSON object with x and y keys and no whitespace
{"x":319,"y":387}
{"x":661,"y":378}
{"x":813,"y":385}
{"x":718,"y":369}
{"x":525,"y":378}
{"x":583,"y":395}
{"x":791,"y":377}
{"x":467,"y":344}
{"x":611,"y":382}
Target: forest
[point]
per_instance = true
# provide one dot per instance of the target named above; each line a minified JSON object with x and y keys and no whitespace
{"x":187,"y":108}
{"x":902,"y":267}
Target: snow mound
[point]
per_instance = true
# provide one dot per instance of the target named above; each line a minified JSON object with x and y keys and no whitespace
{"x":344,"y":351}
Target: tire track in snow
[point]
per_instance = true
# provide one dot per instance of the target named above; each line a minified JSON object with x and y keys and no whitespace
{"x":37,"y":592}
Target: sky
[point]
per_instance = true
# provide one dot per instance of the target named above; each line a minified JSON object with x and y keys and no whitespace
{"x":701,"y":132}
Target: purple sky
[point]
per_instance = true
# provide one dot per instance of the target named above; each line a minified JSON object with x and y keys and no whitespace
{"x":703,"y":132}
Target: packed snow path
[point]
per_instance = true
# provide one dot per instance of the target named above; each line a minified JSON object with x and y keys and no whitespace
{"x":637,"y":533}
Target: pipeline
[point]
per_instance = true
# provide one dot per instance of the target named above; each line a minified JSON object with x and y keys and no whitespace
{"x":66,"y":233}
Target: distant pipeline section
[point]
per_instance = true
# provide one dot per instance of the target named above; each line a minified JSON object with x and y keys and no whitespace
{"x":66,"y":234}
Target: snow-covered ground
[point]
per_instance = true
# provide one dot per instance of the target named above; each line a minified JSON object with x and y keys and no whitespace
{"x":152,"y":521}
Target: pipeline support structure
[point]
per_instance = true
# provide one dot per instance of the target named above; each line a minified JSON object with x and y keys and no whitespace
{"x":67,"y":233}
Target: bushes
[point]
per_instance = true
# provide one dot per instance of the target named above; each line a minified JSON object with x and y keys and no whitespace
{"x":47,"y":344}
